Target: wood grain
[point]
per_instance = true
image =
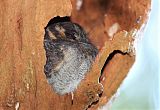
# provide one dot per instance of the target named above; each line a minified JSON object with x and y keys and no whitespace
{"x":22,"y":57}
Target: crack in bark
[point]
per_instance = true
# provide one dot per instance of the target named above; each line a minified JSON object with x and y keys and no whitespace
{"x":93,"y":103}
{"x":35,"y":94}
{"x":109,"y":58}
{"x":20,"y":31}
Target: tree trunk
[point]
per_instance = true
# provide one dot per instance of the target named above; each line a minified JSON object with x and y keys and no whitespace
{"x":23,"y":84}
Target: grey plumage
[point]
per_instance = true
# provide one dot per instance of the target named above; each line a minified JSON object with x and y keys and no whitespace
{"x":69,"y":55}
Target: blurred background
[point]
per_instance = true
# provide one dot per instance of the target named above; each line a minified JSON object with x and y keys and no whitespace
{"x":141,"y":89}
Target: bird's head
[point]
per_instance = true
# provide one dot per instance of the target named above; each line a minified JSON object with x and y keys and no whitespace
{"x":66,"y":31}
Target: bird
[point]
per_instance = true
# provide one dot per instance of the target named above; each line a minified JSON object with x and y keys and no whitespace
{"x":69,"y":55}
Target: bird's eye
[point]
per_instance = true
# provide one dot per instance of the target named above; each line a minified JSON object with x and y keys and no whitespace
{"x":76,"y":36}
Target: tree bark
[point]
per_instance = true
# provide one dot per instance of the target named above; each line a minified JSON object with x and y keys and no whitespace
{"x":23,"y":84}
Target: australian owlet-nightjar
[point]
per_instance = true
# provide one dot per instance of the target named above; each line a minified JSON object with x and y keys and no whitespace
{"x":69,"y":55}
